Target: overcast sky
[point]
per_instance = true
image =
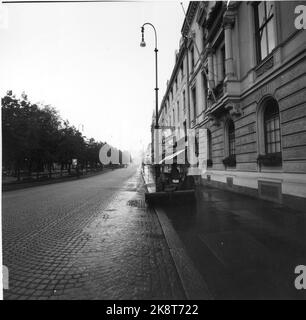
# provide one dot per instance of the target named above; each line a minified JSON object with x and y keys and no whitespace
{"x":85,"y":60}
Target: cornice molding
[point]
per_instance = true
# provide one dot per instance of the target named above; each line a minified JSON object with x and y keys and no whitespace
{"x":202,"y":13}
{"x":191,"y":12}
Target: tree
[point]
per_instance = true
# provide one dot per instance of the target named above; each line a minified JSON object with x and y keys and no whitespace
{"x":35,"y":137}
{"x":30,"y":134}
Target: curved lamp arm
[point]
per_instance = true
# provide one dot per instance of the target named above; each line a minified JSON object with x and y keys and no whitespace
{"x":150,"y":24}
{"x":156,"y":68}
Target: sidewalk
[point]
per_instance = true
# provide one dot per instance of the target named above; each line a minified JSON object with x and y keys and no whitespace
{"x":244,"y":248}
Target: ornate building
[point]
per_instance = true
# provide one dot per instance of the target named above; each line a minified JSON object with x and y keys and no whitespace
{"x":240,"y":73}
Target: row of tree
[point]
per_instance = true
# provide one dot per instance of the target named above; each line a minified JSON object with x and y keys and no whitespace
{"x":35,"y":138}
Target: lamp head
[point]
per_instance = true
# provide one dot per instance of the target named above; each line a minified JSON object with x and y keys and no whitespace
{"x":142,"y":43}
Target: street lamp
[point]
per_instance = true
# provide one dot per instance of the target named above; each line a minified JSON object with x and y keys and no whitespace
{"x":155,"y":149}
{"x":143,"y":44}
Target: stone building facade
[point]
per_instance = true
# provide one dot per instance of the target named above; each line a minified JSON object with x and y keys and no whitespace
{"x":240,"y":73}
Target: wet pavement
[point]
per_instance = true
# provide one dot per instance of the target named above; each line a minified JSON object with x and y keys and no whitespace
{"x":243,"y":247}
{"x":86,"y":239}
{"x":95,"y":238}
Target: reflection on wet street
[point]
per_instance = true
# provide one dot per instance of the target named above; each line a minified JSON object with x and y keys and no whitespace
{"x":244,"y":247}
{"x":92,"y":238}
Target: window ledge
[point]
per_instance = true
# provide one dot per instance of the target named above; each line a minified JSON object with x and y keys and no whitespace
{"x":264,"y":65}
{"x":270,"y":160}
{"x":230,"y":161}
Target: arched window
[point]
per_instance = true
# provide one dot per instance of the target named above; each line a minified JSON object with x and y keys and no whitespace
{"x":231,"y":138}
{"x":229,"y":144}
{"x":269,"y":133}
{"x":272,"y":127}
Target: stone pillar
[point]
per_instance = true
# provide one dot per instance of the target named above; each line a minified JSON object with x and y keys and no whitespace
{"x":228,"y":23}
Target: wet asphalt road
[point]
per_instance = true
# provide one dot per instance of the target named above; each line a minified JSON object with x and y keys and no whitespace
{"x":244,"y":248}
{"x":91,"y":238}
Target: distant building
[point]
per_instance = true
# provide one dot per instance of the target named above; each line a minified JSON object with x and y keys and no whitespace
{"x":240,"y":73}
{"x":173,"y":112}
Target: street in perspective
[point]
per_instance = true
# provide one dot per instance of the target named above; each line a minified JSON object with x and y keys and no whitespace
{"x":87,"y":239}
{"x":161,"y":158}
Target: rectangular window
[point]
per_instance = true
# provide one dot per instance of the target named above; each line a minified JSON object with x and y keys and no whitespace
{"x":209,"y":145}
{"x":178,"y":111}
{"x":192,"y":57}
{"x":204,"y":32}
{"x":194,"y":101}
{"x":197,"y":147}
{"x":223,"y":62}
{"x":231,"y":139}
{"x":184,"y":101}
{"x":264,"y":25}
{"x":173,"y":117}
{"x":182,"y":70}
{"x":205,"y":90}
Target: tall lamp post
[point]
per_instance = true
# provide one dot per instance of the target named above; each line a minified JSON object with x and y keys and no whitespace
{"x":143,"y":44}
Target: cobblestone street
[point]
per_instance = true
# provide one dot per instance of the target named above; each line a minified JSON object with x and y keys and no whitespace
{"x":86,"y":239}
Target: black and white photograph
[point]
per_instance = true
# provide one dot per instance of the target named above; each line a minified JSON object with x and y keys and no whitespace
{"x":153,"y":151}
